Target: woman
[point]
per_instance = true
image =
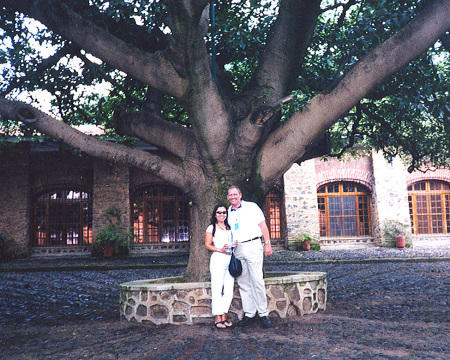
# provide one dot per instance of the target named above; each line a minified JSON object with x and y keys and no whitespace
{"x":218,"y":239}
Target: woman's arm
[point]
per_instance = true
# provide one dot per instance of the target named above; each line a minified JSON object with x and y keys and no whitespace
{"x":209,"y":243}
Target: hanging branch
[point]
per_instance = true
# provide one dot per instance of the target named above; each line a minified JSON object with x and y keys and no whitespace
{"x":407,"y":145}
{"x":351,"y":140}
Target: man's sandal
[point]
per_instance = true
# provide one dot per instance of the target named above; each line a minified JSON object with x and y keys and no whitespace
{"x":227,"y":323}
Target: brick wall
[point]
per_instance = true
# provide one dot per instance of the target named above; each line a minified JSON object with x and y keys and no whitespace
{"x":349,"y":169}
{"x":15,"y":206}
{"x":438,"y":174}
{"x":60,"y":168}
{"x":111,"y":188}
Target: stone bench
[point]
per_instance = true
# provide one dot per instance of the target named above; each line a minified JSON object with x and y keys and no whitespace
{"x":171,"y":301}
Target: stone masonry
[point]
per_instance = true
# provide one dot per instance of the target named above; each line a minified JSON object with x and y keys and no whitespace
{"x":164,"y":301}
{"x":386,"y":180}
{"x":389,"y":197}
{"x":301,"y":202}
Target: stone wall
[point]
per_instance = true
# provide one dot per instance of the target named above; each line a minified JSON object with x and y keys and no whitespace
{"x":301,"y":202}
{"x":164,"y":301}
{"x":390,"y":197}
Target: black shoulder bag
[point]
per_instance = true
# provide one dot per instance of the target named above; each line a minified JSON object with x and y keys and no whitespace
{"x":235,"y":267}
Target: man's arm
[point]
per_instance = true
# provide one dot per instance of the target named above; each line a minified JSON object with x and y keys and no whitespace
{"x":266,"y":238}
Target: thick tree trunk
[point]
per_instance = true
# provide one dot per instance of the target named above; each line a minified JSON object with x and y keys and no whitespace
{"x":201,"y":210}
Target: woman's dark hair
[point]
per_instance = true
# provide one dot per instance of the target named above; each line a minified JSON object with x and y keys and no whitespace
{"x":214,"y":219}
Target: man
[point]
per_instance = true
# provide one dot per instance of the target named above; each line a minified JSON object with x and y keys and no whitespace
{"x":248,"y":226}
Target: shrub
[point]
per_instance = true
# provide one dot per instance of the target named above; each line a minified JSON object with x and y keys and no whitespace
{"x":112,"y":235}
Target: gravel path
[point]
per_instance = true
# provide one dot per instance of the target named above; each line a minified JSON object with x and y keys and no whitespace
{"x":376,"y":310}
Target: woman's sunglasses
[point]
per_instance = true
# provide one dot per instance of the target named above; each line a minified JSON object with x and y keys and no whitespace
{"x":221,"y":212}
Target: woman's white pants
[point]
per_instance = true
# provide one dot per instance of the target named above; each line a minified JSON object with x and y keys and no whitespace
{"x":222,"y":283}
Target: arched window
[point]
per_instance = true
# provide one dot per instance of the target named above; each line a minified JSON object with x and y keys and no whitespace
{"x":160,"y":214}
{"x":273,"y":213}
{"x":63,"y":218}
{"x":344,"y":210}
{"x":429,"y":207}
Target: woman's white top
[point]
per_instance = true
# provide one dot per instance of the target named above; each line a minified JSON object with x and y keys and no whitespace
{"x":221,"y":237}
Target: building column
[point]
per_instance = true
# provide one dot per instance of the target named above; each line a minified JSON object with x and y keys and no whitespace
{"x":390,"y":196}
{"x":15,"y":201}
{"x":111,"y":188}
{"x":300,"y":201}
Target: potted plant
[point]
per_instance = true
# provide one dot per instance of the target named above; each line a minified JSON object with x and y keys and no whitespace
{"x":106,"y":238}
{"x":306,"y":242}
{"x":111,"y":238}
{"x":3,"y":241}
{"x":395,"y":230}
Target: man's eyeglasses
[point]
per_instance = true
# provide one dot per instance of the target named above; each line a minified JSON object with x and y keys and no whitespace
{"x":221,"y":212}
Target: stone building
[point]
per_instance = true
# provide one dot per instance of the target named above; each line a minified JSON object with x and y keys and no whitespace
{"x":348,"y":202}
{"x":53,"y":201}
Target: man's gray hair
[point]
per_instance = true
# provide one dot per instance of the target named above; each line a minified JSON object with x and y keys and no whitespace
{"x":234,"y":187}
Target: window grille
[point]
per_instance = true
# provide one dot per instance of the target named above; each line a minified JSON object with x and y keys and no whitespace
{"x":62,"y":218}
{"x":344,"y":210}
{"x":429,"y":207}
{"x":273,"y":214}
{"x":160,"y":214}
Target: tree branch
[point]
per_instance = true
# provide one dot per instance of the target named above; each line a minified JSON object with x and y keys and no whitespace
{"x":286,"y":47}
{"x":151,"y":69}
{"x":154,"y":130}
{"x":279,"y":65}
{"x":409,"y":146}
{"x":209,"y":115}
{"x":351,"y":140}
{"x":90,"y":145}
{"x":326,"y":108}
{"x":445,"y":40}
{"x":345,"y":8}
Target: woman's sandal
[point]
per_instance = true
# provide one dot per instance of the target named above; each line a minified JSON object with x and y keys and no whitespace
{"x":217,"y":325}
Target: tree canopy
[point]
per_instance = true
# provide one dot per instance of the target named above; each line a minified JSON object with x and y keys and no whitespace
{"x":408,"y":114}
{"x":230,"y":91}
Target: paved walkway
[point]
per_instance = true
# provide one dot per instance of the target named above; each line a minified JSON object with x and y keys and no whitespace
{"x":382,"y":304}
{"x":280,"y":257}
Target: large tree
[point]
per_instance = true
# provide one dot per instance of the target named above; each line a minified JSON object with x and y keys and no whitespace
{"x":231,"y":92}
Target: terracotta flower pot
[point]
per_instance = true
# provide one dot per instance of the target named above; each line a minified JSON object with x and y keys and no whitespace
{"x":108,"y":251}
{"x":306,"y":245}
{"x":400,"y":241}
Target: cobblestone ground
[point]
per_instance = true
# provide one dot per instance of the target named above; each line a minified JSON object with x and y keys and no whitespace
{"x":375,"y":311}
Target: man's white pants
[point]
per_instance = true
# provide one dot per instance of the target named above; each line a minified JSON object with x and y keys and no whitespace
{"x":222,"y":283}
{"x":251,"y":282}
